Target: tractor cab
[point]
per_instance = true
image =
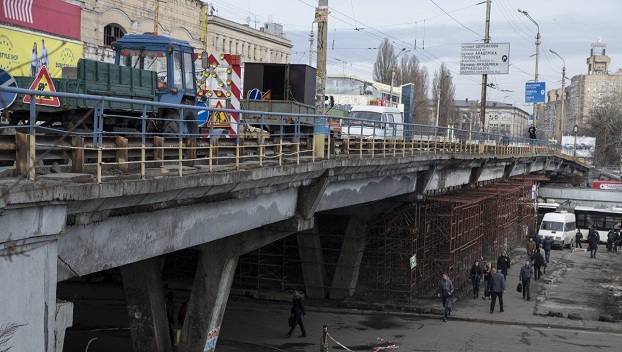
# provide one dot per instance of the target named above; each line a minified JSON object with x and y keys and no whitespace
{"x":172,"y":59}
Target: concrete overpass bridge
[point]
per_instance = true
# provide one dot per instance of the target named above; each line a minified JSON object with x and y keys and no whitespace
{"x":120,"y":202}
{"x":55,"y":229}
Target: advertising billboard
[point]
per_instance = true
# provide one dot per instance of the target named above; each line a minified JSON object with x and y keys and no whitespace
{"x":22,"y":53}
{"x":585,"y":146}
{"x":56,"y":17}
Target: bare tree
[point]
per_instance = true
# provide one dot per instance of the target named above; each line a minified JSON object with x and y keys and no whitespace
{"x":411,"y":71}
{"x":605,"y":123}
{"x":443,"y":88}
{"x":384,"y":62}
{"x":6,"y":332}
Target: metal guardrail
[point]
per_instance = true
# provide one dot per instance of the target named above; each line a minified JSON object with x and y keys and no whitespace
{"x":291,"y":139}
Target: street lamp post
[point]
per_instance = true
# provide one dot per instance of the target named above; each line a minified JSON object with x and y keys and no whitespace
{"x":575,"y":130}
{"x":393,"y":74}
{"x":537,"y":55}
{"x":561,"y":118}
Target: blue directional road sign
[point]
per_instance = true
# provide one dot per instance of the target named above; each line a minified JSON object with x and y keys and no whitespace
{"x":202,"y":115}
{"x":7,"y":98}
{"x":534,"y":92}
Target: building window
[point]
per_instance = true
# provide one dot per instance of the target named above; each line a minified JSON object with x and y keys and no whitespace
{"x":113,"y":32}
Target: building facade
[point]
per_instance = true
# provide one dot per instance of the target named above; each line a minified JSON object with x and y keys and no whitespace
{"x":501,"y":118}
{"x":585,"y":92}
{"x":268,"y":44}
{"x":191,"y":20}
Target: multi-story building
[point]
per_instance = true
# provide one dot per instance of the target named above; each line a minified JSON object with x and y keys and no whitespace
{"x":501,"y":118}
{"x":268,"y":44}
{"x":72,"y":29}
{"x":190,"y":20}
{"x":585,"y":92}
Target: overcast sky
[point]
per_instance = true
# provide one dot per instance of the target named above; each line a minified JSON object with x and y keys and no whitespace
{"x":434,"y":34}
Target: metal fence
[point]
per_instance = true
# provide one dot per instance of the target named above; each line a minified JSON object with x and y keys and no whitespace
{"x":266,"y":139}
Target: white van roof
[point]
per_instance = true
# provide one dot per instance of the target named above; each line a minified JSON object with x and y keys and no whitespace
{"x":375,"y":108}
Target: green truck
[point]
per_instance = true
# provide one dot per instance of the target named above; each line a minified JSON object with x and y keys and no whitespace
{"x":147,"y":68}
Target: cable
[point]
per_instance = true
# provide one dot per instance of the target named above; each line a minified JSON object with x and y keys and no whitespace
{"x":458,"y":22}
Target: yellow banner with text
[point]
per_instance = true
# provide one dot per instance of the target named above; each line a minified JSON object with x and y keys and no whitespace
{"x":24,"y":53}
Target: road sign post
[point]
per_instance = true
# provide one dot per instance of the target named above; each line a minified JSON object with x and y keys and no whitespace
{"x":484,"y":58}
{"x":7,"y":98}
{"x":535,"y":92}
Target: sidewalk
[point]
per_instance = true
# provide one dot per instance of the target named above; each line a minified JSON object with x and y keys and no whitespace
{"x":533,"y":313}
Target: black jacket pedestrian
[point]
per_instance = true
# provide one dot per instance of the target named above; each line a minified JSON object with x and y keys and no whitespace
{"x":578,"y":237}
{"x":538,"y":259}
{"x":476,"y":273}
{"x":547,"y":244}
{"x":503,"y":264}
{"x":497,"y":283}
{"x":532,"y":132}
{"x":593,"y":238}
{"x":297,"y":311}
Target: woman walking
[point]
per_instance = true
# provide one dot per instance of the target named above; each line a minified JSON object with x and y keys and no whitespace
{"x":476,"y":277}
{"x":487,"y":277}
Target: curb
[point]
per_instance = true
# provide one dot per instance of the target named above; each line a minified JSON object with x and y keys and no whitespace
{"x":428,"y":313}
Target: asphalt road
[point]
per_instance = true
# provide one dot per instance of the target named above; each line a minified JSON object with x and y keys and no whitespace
{"x":360,"y":333}
{"x":574,"y":283}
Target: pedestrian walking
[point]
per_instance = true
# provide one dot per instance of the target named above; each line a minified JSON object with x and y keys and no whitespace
{"x":487,"y":276}
{"x":610,"y":238}
{"x":525,"y":277}
{"x":616,"y":240}
{"x":532,"y":132}
{"x":577,"y":239}
{"x":497,"y":287}
{"x":476,"y":278}
{"x":445,"y":291}
{"x":547,"y":245}
{"x":297,"y":313}
{"x":538,"y":262}
{"x":592,"y":239}
{"x":531,"y":247}
{"x":538,"y":241}
{"x":503,"y":263}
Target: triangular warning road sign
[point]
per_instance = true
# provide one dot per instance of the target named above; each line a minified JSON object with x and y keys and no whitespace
{"x":220,"y":118}
{"x":44,"y":83}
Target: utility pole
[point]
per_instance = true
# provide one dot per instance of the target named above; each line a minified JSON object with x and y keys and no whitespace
{"x":311,"y":47}
{"x":155,"y":20}
{"x":321,"y":17}
{"x":561,"y":118}
{"x":485,"y":77}
{"x":535,"y":105}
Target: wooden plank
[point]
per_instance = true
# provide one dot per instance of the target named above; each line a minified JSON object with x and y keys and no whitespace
{"x":122,"y":151}
{"x":158,"y":152}
{"x":77,"y":154}
{"x":191,"y":151}
{"x":21,"y":154}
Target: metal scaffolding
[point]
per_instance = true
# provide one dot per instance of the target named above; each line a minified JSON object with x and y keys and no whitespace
{"x":408,"y":249}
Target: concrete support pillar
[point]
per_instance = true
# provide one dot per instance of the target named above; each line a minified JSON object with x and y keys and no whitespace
{"x":144,"y":297}
{"x":348,"y":266}
{"x":312,"y":262}
{"x":210,"y":291}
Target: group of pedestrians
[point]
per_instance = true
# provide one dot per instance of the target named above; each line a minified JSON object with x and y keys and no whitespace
{"x":494,"y":277}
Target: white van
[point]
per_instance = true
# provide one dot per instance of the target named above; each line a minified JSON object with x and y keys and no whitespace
{"x":561,"y":226}
{"x":374,"y":121}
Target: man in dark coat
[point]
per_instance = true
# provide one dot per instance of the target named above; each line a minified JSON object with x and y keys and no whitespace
{"x":525,"y":276}
{"x":547,"y":245}
{"x":503,"y":263}
{"x":592,"y":239}
{"x":497,"y":287}
{"x":297,"y":311}
{"x":577,"y":239}
{"x":610,"y":238}
{"x":538,"y":262}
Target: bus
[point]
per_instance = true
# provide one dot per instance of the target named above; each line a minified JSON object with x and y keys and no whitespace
{"x":603,"y":219}
{"x":544,"y":208}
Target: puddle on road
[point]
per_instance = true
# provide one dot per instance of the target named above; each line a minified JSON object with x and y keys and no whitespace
{"x":381,"y":322}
